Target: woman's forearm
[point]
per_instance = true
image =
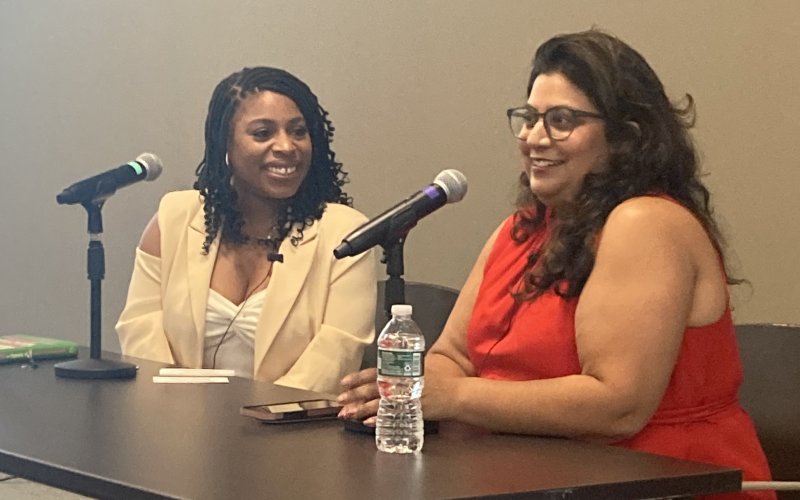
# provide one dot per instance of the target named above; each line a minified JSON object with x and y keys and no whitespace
{"x":575,"y":406}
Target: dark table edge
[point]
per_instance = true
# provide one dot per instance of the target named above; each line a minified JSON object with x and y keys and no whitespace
{"x":100,"y":487}
{"x":67,"y":479}
{"x":685,"y":488}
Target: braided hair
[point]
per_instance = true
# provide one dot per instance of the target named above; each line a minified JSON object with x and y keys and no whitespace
{"x":322,"y":185}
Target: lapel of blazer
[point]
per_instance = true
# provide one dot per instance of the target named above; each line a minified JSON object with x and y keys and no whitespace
{"x":283,"y":290}
{"x":199,"y":268}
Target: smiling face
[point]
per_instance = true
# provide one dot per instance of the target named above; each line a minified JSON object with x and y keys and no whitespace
{"x":269,"y":151}
{"x":556,"y":169}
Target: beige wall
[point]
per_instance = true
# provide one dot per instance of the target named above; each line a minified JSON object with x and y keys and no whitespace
{"x":413,"y":87}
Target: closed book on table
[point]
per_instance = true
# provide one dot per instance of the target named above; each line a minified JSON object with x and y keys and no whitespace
{"x":30,"y":347}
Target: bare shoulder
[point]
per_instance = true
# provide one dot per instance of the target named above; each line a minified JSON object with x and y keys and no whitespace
{"x":658,"y":238}
{"x":150,"y":241}
{"x":174,"y":209}
{"x":651,"y":217}
{"x":476,"y":275}
{"x":487,"y":247}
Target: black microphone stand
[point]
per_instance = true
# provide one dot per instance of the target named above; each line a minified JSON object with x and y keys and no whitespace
{"x":95,"y":367}
{"x":395,"y":290}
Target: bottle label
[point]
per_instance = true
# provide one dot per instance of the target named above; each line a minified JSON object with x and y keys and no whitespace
{"x":400,"y":363}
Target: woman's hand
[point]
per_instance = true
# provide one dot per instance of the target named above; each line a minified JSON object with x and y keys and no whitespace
{"x":360,"y":397}
{"x":439,"y":397}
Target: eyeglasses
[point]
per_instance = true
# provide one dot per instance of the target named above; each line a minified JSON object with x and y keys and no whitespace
{"x":559,"y":121}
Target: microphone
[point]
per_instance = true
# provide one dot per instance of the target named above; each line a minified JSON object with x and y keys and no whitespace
{"x":146,"y":166}
{"x":449,"y":186}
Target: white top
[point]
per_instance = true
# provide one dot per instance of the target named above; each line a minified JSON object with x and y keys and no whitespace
{"x":236,"y":351}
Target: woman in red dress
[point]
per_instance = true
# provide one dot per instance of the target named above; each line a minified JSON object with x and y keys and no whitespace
{"x":599,"y":310}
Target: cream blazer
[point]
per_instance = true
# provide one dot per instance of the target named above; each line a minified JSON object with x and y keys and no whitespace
{"x":318,"y":313}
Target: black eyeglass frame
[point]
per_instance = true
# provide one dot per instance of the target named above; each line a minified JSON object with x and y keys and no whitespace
{"x":533,"y":120}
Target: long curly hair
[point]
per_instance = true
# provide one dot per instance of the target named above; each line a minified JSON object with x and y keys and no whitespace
{"x":650,"y":153}
{"x":322,"y":185}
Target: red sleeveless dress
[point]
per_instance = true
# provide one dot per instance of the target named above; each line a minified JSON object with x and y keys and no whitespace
{"x":699,"y":418}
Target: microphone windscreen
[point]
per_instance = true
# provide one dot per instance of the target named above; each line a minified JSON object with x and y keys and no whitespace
{"x":152,"y":165}
{"x":454,"y":184}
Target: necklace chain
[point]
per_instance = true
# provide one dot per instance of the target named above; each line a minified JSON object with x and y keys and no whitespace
{"x":268,"y":242}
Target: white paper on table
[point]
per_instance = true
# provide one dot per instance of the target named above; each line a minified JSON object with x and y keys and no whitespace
{"x":196,"y":372}
{"x":190,"y":380}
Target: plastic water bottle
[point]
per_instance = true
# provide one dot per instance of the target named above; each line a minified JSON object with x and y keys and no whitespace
{"x":401,"y":348}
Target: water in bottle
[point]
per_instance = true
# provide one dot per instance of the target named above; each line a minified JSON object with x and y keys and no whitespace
{"x":401,"y":349}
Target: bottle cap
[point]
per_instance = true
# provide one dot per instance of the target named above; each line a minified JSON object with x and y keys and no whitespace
{"x":402,"y":310}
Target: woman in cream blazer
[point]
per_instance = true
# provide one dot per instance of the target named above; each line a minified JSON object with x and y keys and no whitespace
{"x":318,"y":311}
{"x":267,"y":150}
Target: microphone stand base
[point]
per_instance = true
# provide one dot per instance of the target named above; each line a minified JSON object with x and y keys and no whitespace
{"x":95,"y":369}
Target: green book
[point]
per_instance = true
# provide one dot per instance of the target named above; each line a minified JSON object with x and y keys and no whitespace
{"x":15,"y":348}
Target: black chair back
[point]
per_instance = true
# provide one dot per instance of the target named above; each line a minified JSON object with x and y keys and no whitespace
{"x":771,"y":394}
{"x":432,"y":305}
